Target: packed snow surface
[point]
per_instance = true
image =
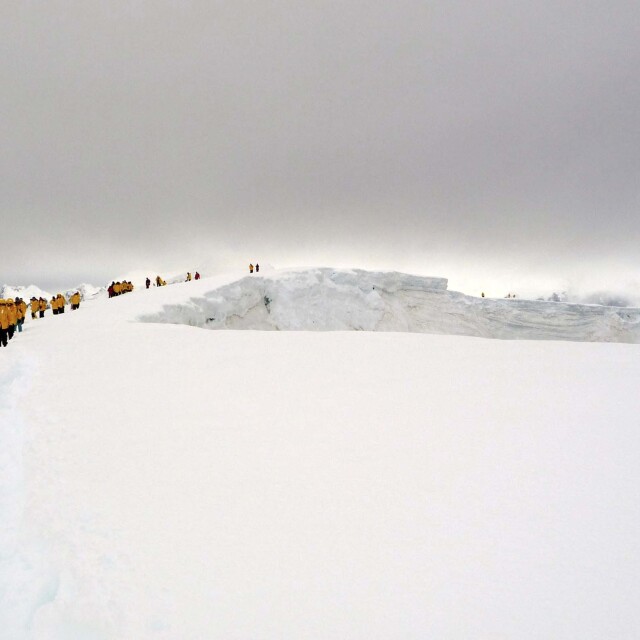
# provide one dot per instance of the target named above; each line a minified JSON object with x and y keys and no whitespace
{"x":158,"y":481}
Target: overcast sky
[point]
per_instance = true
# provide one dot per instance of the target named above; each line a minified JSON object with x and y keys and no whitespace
{"x":490,"y":142}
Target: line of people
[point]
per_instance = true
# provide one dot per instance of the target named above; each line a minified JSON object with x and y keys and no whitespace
{"x":118,"y":288}
{"x":160,"y":282}
{"x":38,"y":307}
{"x":14,"y":312}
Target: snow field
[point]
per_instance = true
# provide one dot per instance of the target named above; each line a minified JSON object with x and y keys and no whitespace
{"x":178,"y":483}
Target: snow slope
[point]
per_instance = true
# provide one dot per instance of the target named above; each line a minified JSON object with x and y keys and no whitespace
{"x":160,"y":482}
{"x":329,"y":299}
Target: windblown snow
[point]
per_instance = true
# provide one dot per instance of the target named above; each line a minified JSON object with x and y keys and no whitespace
{"x":158,"y":481}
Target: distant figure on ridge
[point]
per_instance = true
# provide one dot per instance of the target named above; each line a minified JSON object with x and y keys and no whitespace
{"x":257,"y":267}
{"x":482,"y":294}
{"x":188,"y":277}
{"x":197,"y":276}
{"x":250,"y":268}
{"x":148,"y":283}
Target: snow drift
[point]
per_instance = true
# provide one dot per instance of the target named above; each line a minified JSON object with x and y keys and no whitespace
{"x":335,"y":300}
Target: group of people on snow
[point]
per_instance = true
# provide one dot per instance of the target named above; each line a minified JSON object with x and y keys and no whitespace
{"x":13,"y":312}
{"x":38,"y":306}
{"x":509,"y":295}
{"x":162,"y":283}
{"x":118,"y":288}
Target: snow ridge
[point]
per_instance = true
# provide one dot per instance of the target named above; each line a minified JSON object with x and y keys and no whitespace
{"x":340,"y":300}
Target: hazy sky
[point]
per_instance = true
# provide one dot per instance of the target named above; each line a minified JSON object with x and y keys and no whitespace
{"x":491,"y":142}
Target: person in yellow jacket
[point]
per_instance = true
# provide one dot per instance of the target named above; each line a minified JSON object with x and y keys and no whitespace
{"x":188,"y":277}
{"x":13,"y":317}
{"x":42,"y":306}
{"x":21,"y":309}
{"x":75,"y":301}
{"x":61,"y":303}
{"x":35,"y":307}
{"x":4,"y":323}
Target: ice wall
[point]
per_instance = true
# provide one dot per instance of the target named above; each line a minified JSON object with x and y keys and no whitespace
{"x":336,"y":300}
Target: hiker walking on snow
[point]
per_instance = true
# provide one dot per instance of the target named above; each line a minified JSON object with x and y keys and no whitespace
{"x":21,"y":309}
{"x":197,"y":276}
{"x":148,"y":283}
{"x":4,"y":323}
{"x":250,"y":268}
{"x":13,"y":317}
{"x":257,"y":267}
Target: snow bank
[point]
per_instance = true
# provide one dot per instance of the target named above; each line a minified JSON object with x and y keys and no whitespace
{"x":333,"y":300}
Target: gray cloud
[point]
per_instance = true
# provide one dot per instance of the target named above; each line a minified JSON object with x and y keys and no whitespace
{"x":414,"y":135}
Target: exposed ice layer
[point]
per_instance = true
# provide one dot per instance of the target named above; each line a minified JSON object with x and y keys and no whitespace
{"x":333,"y":300}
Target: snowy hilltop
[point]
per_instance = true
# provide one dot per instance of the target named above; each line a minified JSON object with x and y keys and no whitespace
{"x":14,"y":291}
{"x":87,"y":291}
{"x":326,"y":299}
